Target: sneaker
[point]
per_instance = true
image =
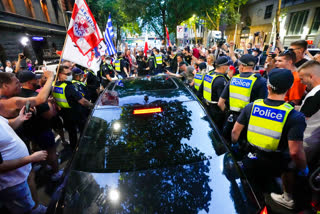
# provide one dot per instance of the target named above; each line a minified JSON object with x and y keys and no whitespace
{"x":279,"y":199}
{"x":39,"y":210}
{"x":56,"y":176}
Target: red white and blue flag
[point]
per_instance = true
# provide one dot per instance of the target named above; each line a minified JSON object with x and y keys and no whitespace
{"x":83,"y":29}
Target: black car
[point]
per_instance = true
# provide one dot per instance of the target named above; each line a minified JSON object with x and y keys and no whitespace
{"x":150,"y":147}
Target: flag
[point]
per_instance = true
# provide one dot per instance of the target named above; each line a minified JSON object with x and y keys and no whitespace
{"x":109,"y":25}
{"x":83,"y":29}
{"x":108,"y":35}
{"x":168,"y":38}
{"x":146,"y":45}
{"x":91,"y":60}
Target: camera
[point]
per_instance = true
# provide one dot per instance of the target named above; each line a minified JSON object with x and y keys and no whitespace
{"x":220,"y":42}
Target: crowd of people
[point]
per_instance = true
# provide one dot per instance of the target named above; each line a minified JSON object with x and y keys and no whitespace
{"x":269,"y":108}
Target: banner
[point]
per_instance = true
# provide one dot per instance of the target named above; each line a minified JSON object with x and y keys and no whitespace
{"x":91,"y":60}
{"x":83,"y":29}
{"x":180,"y":32}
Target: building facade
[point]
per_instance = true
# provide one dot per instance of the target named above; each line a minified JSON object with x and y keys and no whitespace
{"x":299,"y":19}
{"x":36,"y":28}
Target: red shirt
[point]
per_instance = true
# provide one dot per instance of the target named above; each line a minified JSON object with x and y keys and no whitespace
{"x":196,"y":53}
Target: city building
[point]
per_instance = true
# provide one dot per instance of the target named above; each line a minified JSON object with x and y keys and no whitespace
{"x":299,"y":19}
{"x":36,"y":28}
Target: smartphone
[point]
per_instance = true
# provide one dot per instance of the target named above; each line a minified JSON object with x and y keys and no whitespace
{"x":27,"y":110}
{"x":273,"y":55}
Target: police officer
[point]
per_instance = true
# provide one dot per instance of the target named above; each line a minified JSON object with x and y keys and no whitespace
{"x":159,"y":61}
{"x":121,"y":66}
{"x":275,"y":135}
{"x":211,"y":89}
{"x":152,"y":64}
{"x":107,"y":72}
{"x":141,"y":61}
{"x":70,"y":101}
{"x":198,"y":78}
{"x":242,"y":89}
{"x":77,"y":74}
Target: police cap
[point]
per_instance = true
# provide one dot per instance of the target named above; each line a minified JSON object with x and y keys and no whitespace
{"x":119,"y":53}
{"x":222,"y":60}
{"x":202,"y":66}
{"x":247,"y":60}
{"x":77,"y":71}
{"x":280,"y":79}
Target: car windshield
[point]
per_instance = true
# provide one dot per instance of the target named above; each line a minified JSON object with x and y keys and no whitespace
{"x":116,"y":140}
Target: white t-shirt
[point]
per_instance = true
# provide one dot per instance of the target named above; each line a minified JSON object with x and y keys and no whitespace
{"x":12,"y":147}
{"x":9,"y":70}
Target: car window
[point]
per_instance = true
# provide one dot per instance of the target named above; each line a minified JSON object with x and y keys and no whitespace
{"x":116,"y":140}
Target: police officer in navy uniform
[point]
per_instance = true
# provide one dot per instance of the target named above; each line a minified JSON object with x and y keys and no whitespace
{"x":275,"y":137}
{"x":142,"y":63}
{"x":211,"y":88}
{"x":107,"y":72}
{"x":242,"y":89}
{"x":152,"y":64}
{"x":121,"y":66}
{"x":77,"y":74}
{"x":70,"y":101}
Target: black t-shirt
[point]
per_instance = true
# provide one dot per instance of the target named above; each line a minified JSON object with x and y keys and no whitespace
{"x":37,"y":123}
{"x":311,"y":105}
{"x":298,"y":64}
{"x":259,"y":89}
{"x":292,"y":130}
{"x":141,"y":61}
{"x":188,"y":59}
{"x":108,"y":70}
{"x":92,"y":81}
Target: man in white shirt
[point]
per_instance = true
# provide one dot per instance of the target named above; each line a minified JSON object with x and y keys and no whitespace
{"x":16,"y":166}
{"x":8,"y":67}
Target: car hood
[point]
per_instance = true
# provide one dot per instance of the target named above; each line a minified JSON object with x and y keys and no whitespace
{"x":210,"y":186}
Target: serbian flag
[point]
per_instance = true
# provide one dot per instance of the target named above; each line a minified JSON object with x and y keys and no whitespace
{"x":168,"y":38}
{"x":146,"y":45}
{"x":83,"y":29}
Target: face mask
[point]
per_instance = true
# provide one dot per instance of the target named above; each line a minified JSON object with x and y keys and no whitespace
{"x":69,"y":78}
{"x":254,"y":53}
{"x":174,"y":53}
{"x":149,"y":55}
{"x":108,"y":61}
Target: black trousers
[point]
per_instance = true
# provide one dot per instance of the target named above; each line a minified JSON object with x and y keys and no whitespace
{"x":217,"y":116}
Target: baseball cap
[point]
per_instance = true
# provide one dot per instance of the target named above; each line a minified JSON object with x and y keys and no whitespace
{"x":222,"y":61}
{"x":247,"y":60}
{"x":256,"y":49}
{"x":25,"y":76}
{"x":202,"y":66}
{"x":77,"y":71}
{"x":280,"y":79}
{"x":182,"y":63}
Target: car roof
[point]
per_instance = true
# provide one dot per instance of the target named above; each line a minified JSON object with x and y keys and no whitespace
{"x":144,"y":89}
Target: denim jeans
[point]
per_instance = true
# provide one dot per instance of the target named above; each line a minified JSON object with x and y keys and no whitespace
{"x":17,"y":198}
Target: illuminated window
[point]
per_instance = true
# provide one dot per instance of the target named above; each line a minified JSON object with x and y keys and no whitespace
{"x":30,"y":9}
{"x":8,"y":5}
{"x":45,"y":9}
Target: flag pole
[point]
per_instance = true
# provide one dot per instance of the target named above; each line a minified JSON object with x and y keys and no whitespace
{"x":58,"y":68}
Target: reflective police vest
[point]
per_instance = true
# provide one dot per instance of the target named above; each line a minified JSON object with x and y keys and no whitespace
{"x":207,"y":85}
{"x":159,"y":59}
{"x":117,"y":65}
{"x":59,"y":95}
{"x":78,"y":86}
{"x":266,"y":125}
{"x":198,"y":79}
{"x":240,"y":91}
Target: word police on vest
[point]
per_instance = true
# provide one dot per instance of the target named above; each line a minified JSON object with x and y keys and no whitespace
{"x":268,"y":113}
{"x":208,"y":78}
{"x":244,"y":83}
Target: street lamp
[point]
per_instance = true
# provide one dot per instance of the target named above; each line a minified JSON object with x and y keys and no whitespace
{"x":24,"y":41}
